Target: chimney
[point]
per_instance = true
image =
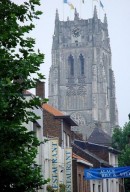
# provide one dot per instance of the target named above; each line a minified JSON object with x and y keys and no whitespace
{"x":40,"y":89}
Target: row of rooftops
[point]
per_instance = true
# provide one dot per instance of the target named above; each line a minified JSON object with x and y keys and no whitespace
{"x":83,"y":146}
{"x":80,"y":147}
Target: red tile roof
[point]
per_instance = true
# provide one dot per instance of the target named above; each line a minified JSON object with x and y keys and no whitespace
{"x":52,"y":110}
{"x":80,"y":158}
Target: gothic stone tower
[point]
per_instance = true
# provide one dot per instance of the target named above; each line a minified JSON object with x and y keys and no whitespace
{"x":81,"y":79}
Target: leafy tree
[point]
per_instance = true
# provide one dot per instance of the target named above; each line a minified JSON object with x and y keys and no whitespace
{"x":121,"y":142}
{"x":120,"y":136}
{"x":18,"y":61}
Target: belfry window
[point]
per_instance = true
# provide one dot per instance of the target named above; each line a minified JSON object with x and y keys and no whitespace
{"x":71,"y":65}
{"x":81,"y":60}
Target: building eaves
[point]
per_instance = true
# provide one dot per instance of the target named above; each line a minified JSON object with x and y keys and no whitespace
{"x":115,"y":151}
{"x":110,"y":149}
{"x":67,"y":119}
{"x":84,"y":144}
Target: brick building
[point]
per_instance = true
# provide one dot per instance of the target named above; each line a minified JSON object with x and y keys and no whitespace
{"x":56,"y":124}
{"x":79,"y":164}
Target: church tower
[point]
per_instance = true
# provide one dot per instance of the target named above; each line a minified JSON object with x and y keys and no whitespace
{"x":81,"y":79}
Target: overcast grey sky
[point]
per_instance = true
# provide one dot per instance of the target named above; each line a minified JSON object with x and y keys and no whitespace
{"x":118,"y":15}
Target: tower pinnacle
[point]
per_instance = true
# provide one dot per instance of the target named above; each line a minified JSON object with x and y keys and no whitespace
{"x":95,"y":16}
{"x":76,"y":15}
{"x":57,"y":15}
{"x":105,"y":18}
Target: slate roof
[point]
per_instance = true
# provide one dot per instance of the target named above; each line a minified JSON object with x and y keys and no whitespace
{"x":86,"y":145}
{"x":98,"y":136}
{"x":89,"y":156}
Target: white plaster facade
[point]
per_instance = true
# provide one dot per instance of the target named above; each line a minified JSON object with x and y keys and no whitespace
{"x":113,"y":183}
{"x":37,"y":127}
{"x":59,"y":167}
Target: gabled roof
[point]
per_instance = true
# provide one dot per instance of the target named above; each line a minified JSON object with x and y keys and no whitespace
{"x":98,"y":136}
{"x":58,"y":114}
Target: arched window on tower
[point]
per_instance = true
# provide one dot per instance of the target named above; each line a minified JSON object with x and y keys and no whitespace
{"x":81,"y":60}
{"x":71,"y":65}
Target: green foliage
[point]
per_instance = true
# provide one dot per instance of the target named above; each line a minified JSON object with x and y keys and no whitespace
{"x":124,"y":158}
{"x":117,"y":138}
{"x":50,"y":189}
{"x":18,"y":61}
{"x":121,"y":142}
{"x":62,"y":187}
{"x":121,"y":137}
